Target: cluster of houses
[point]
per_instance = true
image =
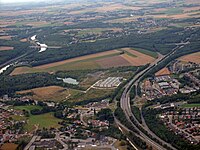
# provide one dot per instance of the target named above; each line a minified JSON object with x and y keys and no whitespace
{"x":160,"y":86}
{"x":165,"y":84}
{"x":184,"y":122}
{"x":98,"y":105}
{"x":178,"y":66}
{"x":73,"y":132}
{"x":194,"y":83}
{"x":9,"y":128}
{"x":98,"y":123}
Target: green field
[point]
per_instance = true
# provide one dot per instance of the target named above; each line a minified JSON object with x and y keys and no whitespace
{"x":27,"y":107}
{"x":93,"y":31}
{"x":190,"y":105}
{"x":144,"y":51}
{"x":42,"y":121}
{"x":46,"y":120}
{"x":173,"y":11}
{"x":18,"y":118}
{"x":85,"y":64}
{"x":76,"y":65}
{"x":79,"y":65}
{"x":91,"y":94}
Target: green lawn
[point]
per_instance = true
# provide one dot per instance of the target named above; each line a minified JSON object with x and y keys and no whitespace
{"x":173,"y":11}
{"x":46,"y":120}
{"x":43,"y":121}
{"x":18,"y":118}
{"x":27,"y":107}
{"x":190,"y":105}
{"x":91,"y":94}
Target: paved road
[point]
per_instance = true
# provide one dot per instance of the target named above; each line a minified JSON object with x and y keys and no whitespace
{"x":57,"y":137}
{"x":125,"y":100}
{"x":30,"y":143}
{"x":82,"y":120}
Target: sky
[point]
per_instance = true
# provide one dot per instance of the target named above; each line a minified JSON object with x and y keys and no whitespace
{"x":17,"y":1}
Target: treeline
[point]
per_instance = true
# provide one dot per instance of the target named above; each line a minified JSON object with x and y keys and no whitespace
{"x":119,"y":114}
{"x":132,"y":92}
{"x":136,"y":112}
{"x":105,"y":114}
{"x":45,"y":109}
{"x":190,"y":98}
{"x":138,"y":141}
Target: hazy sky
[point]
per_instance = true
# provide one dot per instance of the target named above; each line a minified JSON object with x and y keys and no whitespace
{"x":18,"y":1}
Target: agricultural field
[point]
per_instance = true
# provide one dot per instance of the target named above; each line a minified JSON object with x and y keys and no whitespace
{"x":69,"y":95}
{"x":5,"y":37}
{"x":50,"y":93}
{"x":37,"y":121}
{"x":9,"y":146}
{"x":164,"y":71}
{"x":194,"y":57}
{"x":109,"y":59}
{"x":5,"y":48}
{"x":91,"y":94}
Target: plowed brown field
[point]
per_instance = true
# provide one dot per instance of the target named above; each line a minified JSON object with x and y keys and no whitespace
{"x":115,"y":61}
{"x":5,"y":48}
{"x":195,"y":57}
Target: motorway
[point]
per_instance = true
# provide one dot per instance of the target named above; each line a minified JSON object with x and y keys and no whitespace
{"x":125,"y":101}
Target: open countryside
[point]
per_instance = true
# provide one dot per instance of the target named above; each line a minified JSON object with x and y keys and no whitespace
{"x":54,"y":93}
{"x":113,"y":58}
{"x":100,"y":75}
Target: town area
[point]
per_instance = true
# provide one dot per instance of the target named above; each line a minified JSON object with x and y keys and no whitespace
{"x":75,"y":128}
{"x":177,"y":77}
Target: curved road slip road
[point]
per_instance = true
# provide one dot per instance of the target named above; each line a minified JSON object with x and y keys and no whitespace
{"x":125,"y":101}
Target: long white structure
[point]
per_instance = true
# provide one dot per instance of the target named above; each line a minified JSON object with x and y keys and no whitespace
{"x":110,"y":82}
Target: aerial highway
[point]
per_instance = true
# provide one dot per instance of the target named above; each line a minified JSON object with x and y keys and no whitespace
{"x":126,"y":106}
